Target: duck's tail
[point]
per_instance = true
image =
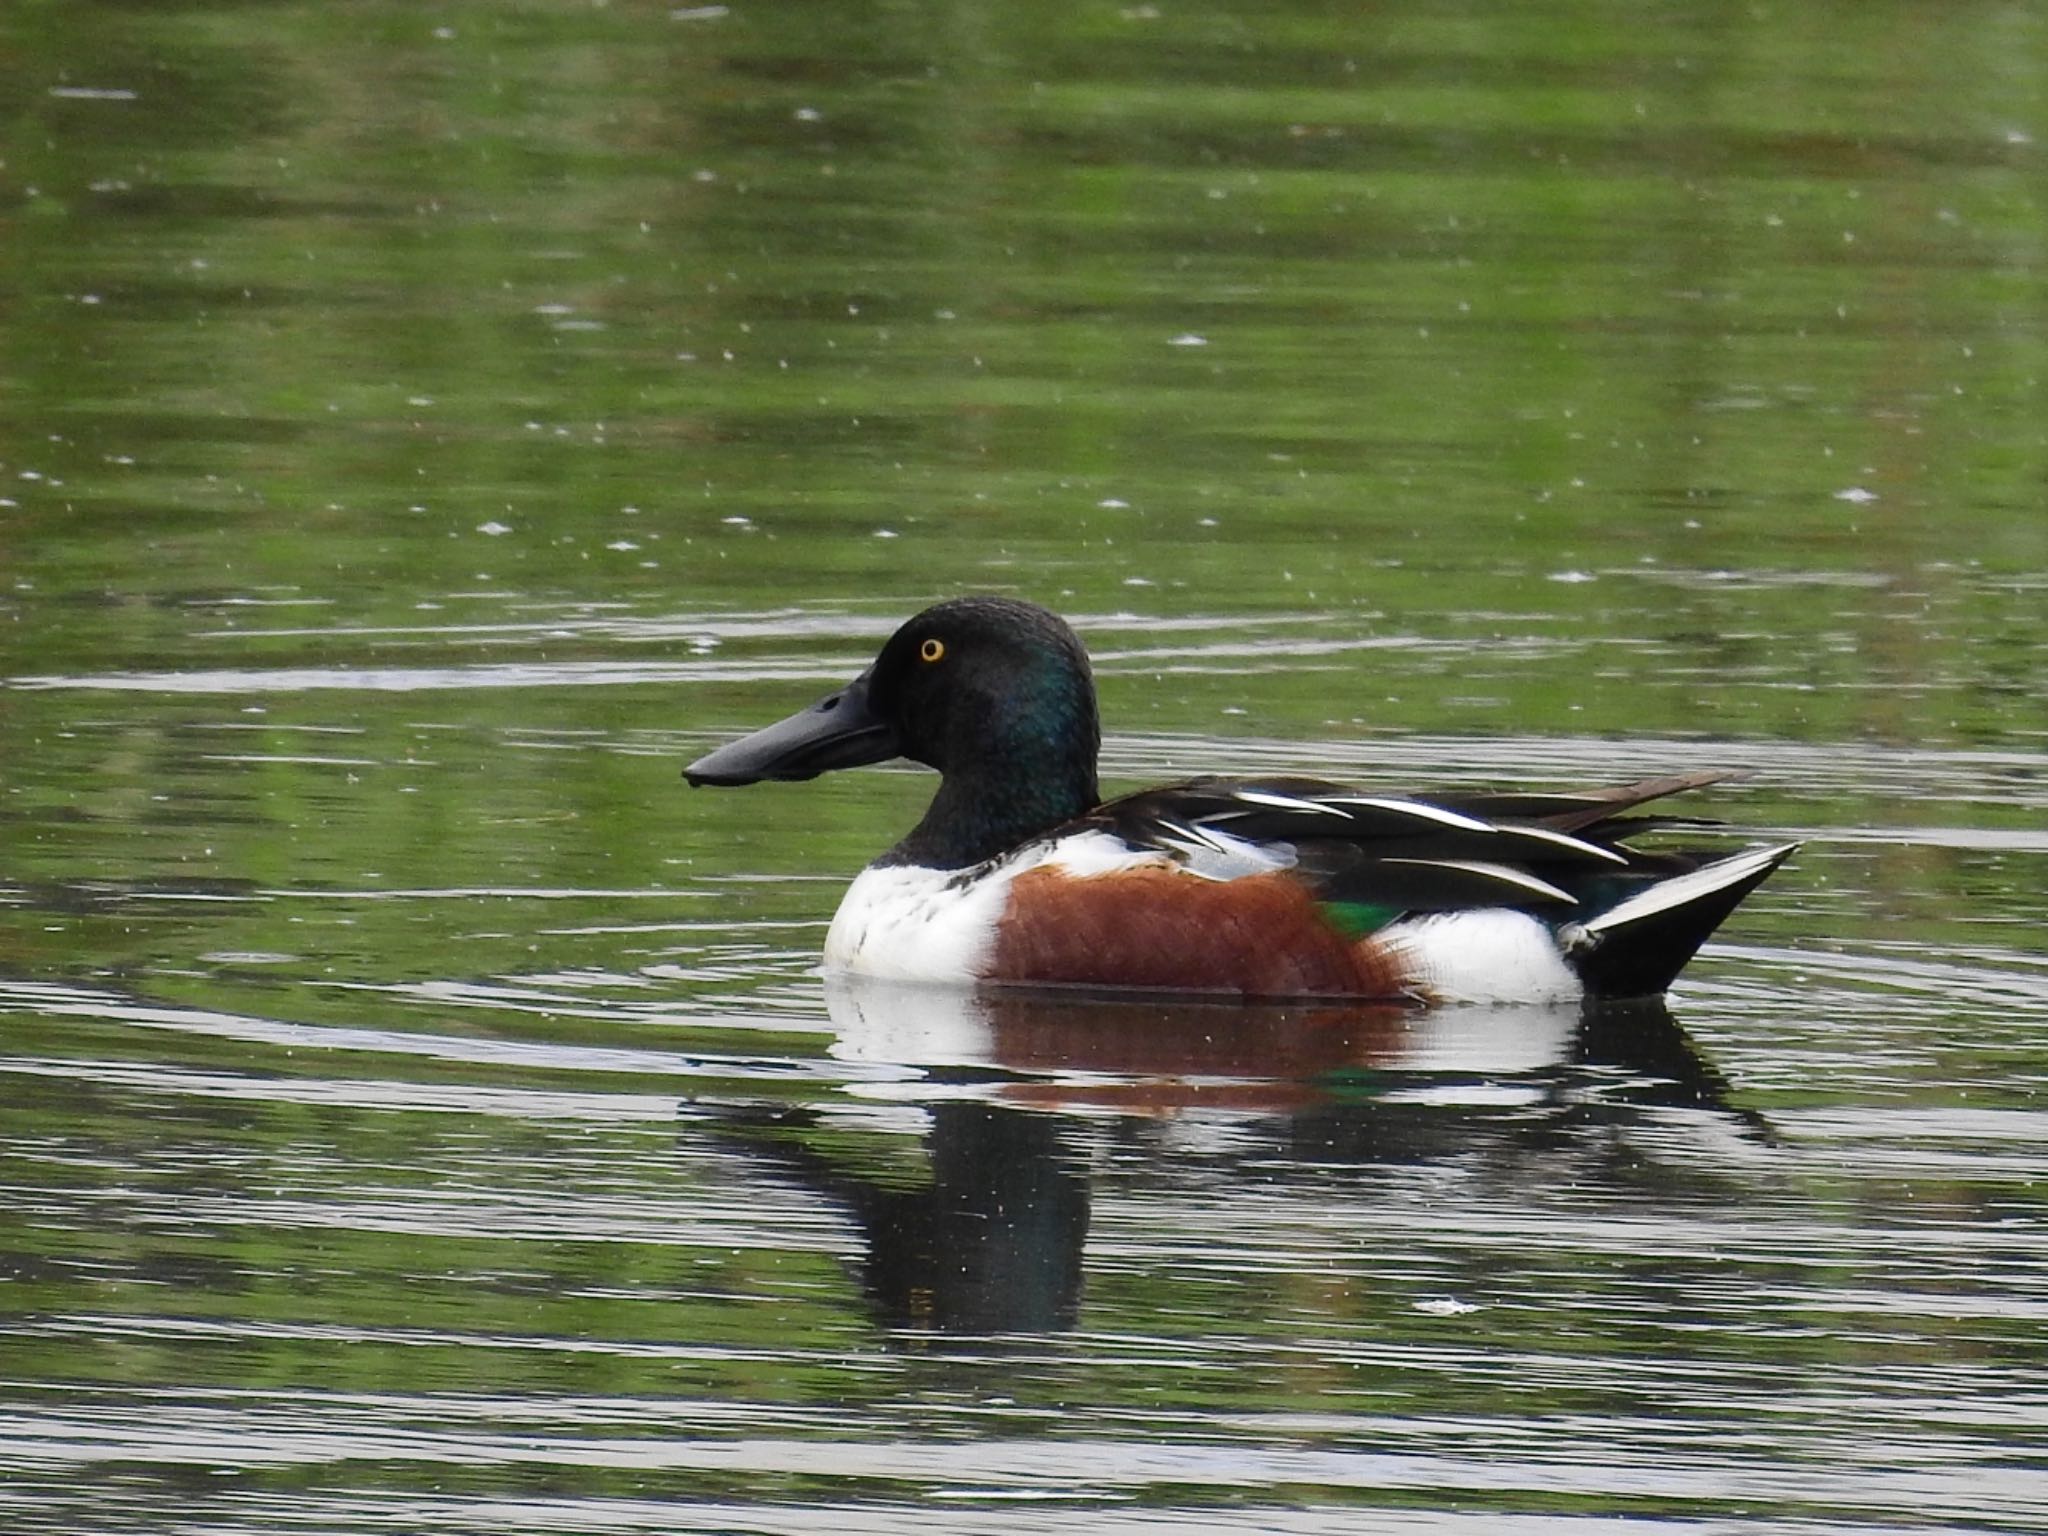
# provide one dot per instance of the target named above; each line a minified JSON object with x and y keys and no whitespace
{"x":1638,"y":946}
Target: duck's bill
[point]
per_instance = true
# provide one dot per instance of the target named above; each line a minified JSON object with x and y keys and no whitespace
{"x":839,"y":731}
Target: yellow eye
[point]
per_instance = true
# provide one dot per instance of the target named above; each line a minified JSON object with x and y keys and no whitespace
{"x":932,"y":650}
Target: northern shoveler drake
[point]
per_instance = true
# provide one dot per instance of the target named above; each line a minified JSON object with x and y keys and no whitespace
{"x":1264,"y":888}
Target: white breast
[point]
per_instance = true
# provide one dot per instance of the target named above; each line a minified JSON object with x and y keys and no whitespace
{"x":903,"y":923}
{"x":911,"y":924}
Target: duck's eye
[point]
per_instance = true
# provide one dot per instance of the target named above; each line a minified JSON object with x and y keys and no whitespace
{"x":932,"y":650}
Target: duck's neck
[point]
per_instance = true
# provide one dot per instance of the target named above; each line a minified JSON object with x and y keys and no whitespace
{"x":1015,"y":760}
{"x":980,"y":813}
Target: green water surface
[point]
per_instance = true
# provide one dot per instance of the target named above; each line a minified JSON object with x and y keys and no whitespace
{"x":423,"y":427}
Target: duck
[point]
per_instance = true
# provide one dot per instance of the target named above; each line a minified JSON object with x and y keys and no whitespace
{"x":1281,"y":887}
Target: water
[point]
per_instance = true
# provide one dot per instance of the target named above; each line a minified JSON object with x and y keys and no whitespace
{"x":421,"y":433}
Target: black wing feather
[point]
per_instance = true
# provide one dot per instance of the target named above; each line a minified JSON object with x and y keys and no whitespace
{"x":1424,"y":853}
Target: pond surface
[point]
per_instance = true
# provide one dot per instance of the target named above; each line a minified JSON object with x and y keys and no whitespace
{"x":422,"y":429}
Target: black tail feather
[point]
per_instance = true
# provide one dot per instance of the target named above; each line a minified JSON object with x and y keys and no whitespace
{"x":1638,"y":948}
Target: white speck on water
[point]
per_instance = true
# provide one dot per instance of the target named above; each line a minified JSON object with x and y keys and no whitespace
{"x":419,"y":399}
{"x":736,"y":521}
{"x":807,"y":114}
{"x":1187,"y":339}
{"x":622,"y":545}
{"x":445,"y":34}
{"x":885,"y":533}
{"x":1112,"y":503}
{"x":1572,"y":578}
{"x":103,"y":93}
{"x":1855,"y":493}
{"x":1445,"y":1306}
{"x":698,"y":12}
{"x":1139,"y":581}
{"x":493,"y":528}
{"x":2018,"y":136}
{"x":554,"y":309}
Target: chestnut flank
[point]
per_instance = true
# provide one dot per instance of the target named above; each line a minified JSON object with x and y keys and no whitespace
{"x":1261,"y":936}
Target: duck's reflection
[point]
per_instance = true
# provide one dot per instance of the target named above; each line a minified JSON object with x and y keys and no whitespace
{"x":991,"y":1243}
{"x":1021,"y":1095}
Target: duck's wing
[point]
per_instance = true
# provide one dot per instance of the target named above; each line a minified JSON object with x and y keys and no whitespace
{"x":1409,"y":852}
{"x":1377,"y":857}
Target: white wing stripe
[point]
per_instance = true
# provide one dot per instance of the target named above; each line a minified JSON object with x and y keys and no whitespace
{"x":1219,"y":856}
{"x":1181,"y":831}
{"x":1283,"y":802}
{"x":1562,"y":840}
{"x":1500,"y":872}
{"x":1421,"y":810}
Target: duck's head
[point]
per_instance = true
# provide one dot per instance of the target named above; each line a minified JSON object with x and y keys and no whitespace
{"x":984,"y":689}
